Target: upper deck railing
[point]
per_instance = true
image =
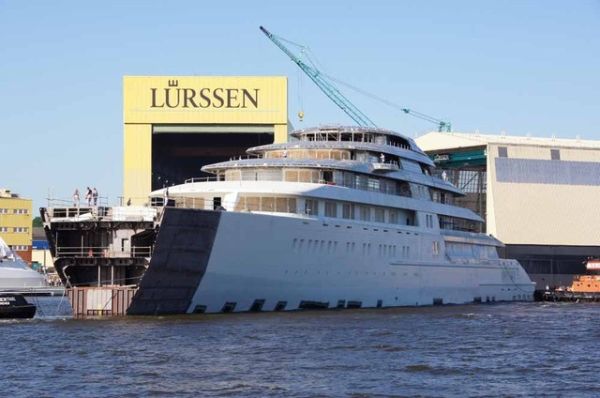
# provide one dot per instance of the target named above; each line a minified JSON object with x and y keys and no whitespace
{"x":103,"y":252}
{"x":103,"y":201}
{"x":202,"y":179}
{"x":71,"y":210}
{"x":385,"y":166}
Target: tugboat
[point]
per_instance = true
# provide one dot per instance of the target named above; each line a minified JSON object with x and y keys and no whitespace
{"x":588,"y":284}
{"x":14,"y":306}
{"x":583,"y":288}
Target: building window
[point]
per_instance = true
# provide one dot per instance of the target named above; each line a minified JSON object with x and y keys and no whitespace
{"x":502,"y":152}
{"x":555,"y":154}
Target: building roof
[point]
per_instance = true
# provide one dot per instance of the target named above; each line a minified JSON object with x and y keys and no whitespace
{"x":435,"y":141}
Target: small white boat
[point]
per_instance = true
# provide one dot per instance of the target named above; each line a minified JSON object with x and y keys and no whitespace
{"x":15,"y":274}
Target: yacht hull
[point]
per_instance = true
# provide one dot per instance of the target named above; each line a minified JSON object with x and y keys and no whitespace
{"x":207,"y":261}
{"x":20,"y":279}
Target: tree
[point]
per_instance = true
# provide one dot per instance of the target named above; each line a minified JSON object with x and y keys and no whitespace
{"x":37,"y":222}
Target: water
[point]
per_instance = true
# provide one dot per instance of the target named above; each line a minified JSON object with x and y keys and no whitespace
{"x":477,"y":350}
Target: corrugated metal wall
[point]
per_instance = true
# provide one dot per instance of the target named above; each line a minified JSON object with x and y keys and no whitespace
{"x":537,"y":200}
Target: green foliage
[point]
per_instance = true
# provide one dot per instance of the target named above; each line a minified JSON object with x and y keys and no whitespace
{"x":37,"y":222}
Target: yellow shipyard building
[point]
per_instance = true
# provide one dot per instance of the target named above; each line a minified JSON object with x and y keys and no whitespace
{"x":15,"y":223}
{"x":175,"y":125}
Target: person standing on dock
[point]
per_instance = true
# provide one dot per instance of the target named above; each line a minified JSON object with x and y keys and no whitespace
{"x":88,"y":196}
{"x":95,"y":196}
{"x":76,"y":198}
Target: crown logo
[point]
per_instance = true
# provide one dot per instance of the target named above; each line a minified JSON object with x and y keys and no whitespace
{"x":173,"y":83}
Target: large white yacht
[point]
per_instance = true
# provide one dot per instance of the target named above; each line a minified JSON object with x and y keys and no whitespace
{"x":344,"y":217}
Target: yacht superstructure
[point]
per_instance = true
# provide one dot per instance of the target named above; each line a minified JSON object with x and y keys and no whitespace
{"x":338,"y":217}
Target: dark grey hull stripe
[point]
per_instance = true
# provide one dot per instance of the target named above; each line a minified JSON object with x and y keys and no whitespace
{"x":181,"y":253}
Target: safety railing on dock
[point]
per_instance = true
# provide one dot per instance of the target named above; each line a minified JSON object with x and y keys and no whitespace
{"x":102,"y":202}
{"x":104,"y":252}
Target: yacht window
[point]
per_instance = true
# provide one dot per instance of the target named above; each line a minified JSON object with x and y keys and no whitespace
{"x":249,"y":175}
{"x":267,"y":204}
{"x":268,"y":174}
{"x":393,"y":217}
{"x":373,"y":184}
{"x":292,"y":205}
{"x":311,"y":207}
{"x":281,"y":205}
{"x":365,"y":213}
{"x":322,"y":155}
{"x":252,"y":203}
{"x":348,"y":180}
{"x":361,"y":182}
{"x":348,"y":211}
{"x":291,"y":175}
{"x":404,"y":189}
{"x":386,"y":186}
{"x":330,"y":209}
{"x":233,"y":175}
{"x":304,"y":176}
{"x":379,"y":214}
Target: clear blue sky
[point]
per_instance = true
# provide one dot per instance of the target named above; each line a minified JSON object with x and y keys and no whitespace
{"x":515,"y":66}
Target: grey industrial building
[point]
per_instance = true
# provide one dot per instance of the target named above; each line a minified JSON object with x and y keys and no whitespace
{"x":537,"y":195}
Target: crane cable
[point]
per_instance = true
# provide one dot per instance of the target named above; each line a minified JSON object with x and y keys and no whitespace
{"x":300,"y":93}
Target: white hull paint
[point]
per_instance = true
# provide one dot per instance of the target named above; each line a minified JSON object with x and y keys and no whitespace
{"x":16,"y":279}
{"x":292,"y":259}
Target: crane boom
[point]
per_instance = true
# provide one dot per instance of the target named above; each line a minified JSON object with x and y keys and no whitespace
{"x":324,"y":83}
{"x":321,"y":81}
{"x":442,"y":125}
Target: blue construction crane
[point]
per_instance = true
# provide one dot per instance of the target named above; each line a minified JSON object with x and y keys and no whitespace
{"x":323,"y":82}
